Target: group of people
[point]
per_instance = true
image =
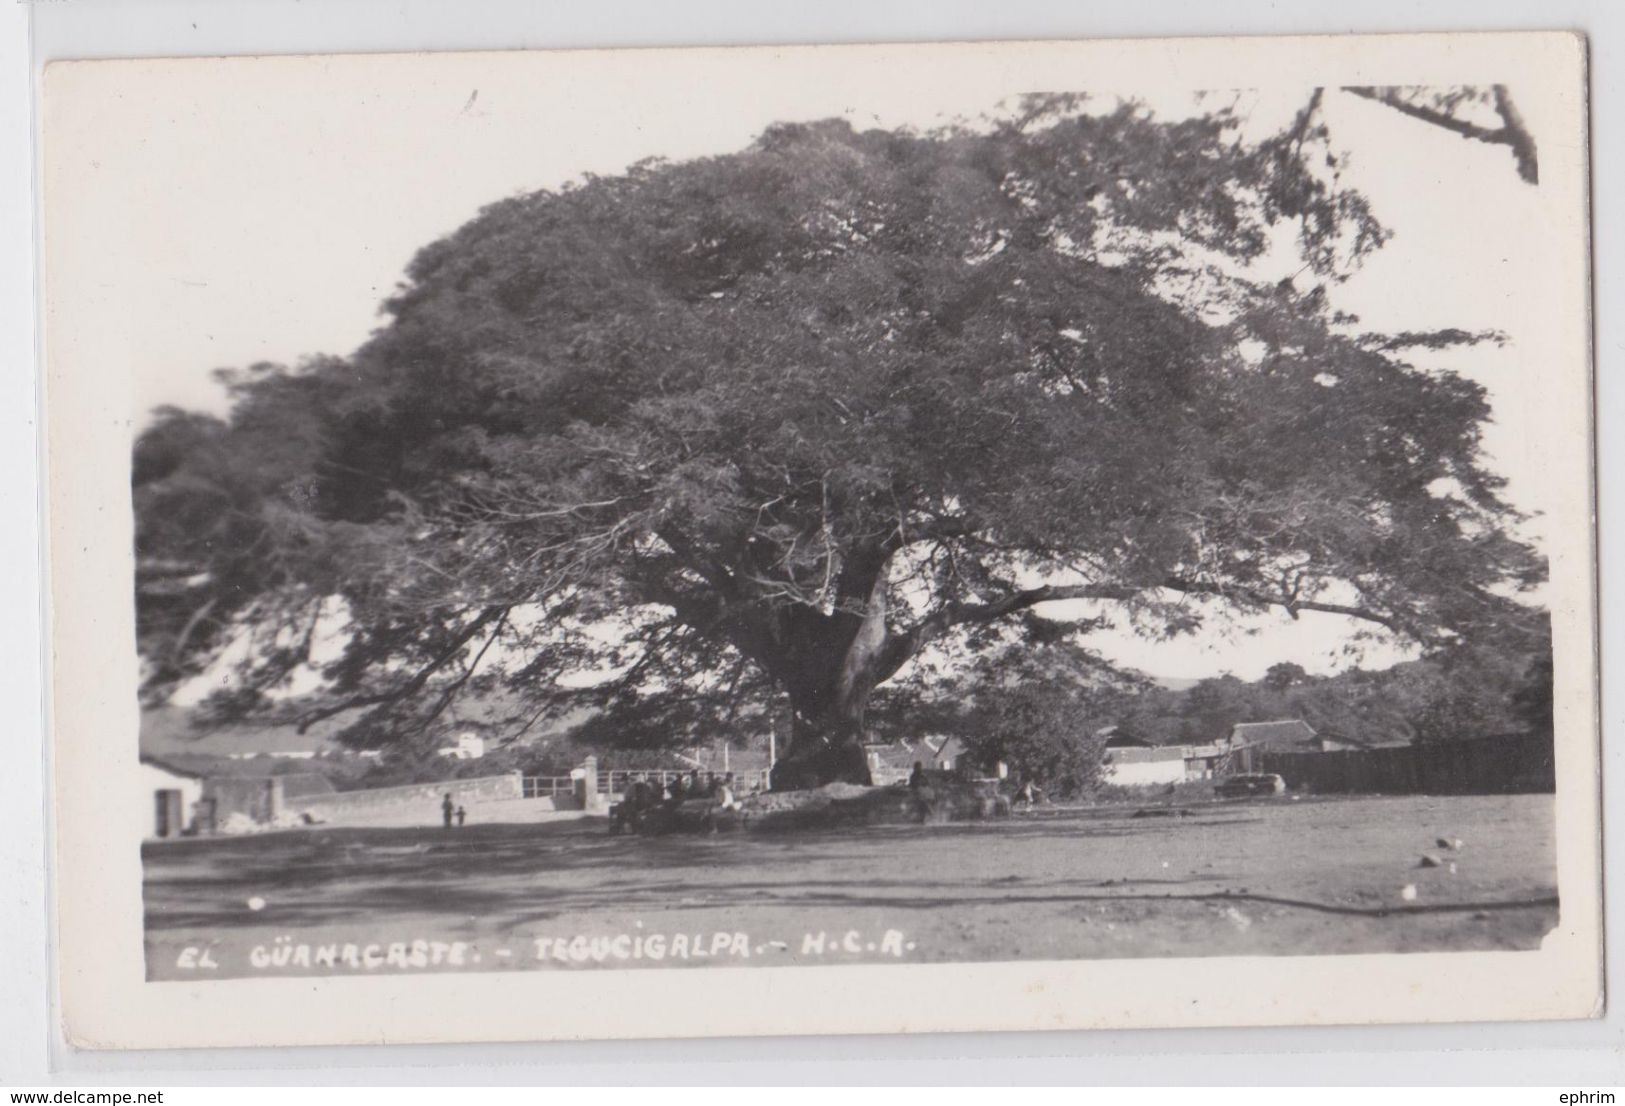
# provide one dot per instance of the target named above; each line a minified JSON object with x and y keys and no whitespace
{"x":643,"y":792}
{"x":661,"y":798}
{"x":923,"y":792}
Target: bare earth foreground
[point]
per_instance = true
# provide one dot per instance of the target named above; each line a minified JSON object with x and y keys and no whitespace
{"x":1280,"y":876}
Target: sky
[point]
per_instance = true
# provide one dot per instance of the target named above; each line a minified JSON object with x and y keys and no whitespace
{"x":245,"y":220}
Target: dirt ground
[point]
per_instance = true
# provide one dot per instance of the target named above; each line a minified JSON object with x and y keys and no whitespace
{"x":1278,"y":876}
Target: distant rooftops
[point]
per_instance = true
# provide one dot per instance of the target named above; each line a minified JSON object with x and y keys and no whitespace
{"x":1118,"y":737}
{"x":1285,"y":734}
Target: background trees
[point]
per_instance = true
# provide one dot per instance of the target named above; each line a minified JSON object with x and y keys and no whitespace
{"x":1452,"y":696}
{"x":1041,"y":732}
{"x":760,"y":432}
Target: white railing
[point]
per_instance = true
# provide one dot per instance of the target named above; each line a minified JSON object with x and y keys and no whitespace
{"x":545,"y":787}
{"x":616,"y":781}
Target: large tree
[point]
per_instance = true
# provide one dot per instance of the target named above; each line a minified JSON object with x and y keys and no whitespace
{"x":750,"y":435}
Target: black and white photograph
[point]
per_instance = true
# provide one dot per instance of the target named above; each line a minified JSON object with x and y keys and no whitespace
{"x":763,"y":513}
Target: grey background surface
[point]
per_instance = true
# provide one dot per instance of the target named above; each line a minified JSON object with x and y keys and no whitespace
{"x":31,"y":1053}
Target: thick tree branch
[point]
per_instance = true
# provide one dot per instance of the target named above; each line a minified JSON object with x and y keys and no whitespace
{"x":1512,"y":132}
{"x":900,"y":648}
{"x":708,"y":567}
{"x":1521,"y":141}
{"x":1428,"y":115}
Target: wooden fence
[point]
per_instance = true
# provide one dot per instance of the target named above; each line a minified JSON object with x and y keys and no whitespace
{"x":1498,"y":764}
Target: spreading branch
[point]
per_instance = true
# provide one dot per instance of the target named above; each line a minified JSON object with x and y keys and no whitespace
{"x":1512,"y":132}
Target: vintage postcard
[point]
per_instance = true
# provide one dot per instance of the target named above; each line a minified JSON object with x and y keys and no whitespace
{"x":941,"y":537}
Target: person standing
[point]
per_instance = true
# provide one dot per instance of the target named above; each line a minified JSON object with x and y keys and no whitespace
{"x":446,"y":809}
{"x":919,"y":786}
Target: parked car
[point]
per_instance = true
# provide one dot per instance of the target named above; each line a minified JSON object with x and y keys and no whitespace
{"x":1257,"y":783}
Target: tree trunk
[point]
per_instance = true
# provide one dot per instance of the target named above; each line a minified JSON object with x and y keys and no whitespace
{"x":822,"y":750}
{"x":829,"y":694}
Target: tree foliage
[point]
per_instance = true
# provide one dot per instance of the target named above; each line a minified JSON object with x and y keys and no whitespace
{"x":1043,"y":732}
{"x":755,"y":433}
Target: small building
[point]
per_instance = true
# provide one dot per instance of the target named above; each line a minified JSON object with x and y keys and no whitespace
{"x":943,"y":753}
{"x":1136,"y":763}
{"x":1138,"y":766}
{"x":175,"y":793}
{"x":468,"y":746}
{"x":891,"y":761}
{"x":1204,"y":762}
{"x":1248,"y":739}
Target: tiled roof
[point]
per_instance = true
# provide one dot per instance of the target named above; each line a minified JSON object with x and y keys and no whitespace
{"x":898,"y":754}
{"x":1289,"y":733}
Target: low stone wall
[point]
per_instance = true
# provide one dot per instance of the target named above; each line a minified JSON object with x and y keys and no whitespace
{"x":463,"y":792}
{"x":553,"y":802}
{"x":945,"y":799}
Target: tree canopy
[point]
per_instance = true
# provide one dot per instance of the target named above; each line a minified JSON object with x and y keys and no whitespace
{"x":754,"y":433}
